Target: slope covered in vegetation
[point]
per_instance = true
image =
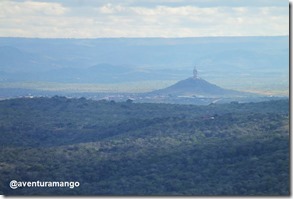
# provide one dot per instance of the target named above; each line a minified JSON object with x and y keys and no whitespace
{"x":145,"y":149}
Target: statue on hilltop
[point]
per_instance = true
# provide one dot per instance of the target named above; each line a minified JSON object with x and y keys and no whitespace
{"x":195,"y":73}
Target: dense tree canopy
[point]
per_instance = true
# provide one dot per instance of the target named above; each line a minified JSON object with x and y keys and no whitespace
{"x":145,"y":149}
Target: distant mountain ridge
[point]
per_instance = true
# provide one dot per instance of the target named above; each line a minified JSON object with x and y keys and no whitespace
{"x":231,"y":54}
{"x":254,"y":63}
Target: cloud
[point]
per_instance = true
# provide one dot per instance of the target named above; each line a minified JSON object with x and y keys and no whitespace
{"x":30,"y":8}
{"x":171,"y":3}
{"x":136,"y":19}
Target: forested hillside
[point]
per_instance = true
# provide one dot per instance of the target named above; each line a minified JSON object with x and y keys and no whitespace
{"x":145,"y":149}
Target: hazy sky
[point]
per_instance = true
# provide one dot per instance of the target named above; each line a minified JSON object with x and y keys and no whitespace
{"x":143,"y":18}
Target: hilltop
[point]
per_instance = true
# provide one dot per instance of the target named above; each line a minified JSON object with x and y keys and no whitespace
{"x":195,"y":90}
{"x":198,"y":87}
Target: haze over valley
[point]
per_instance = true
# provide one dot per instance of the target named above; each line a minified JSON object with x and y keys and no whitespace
{"x":138,"y":65}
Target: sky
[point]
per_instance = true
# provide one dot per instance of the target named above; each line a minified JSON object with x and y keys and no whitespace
{"x":142,"y":18}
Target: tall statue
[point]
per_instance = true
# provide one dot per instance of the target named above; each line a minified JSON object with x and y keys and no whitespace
{"x":195,"y":73}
